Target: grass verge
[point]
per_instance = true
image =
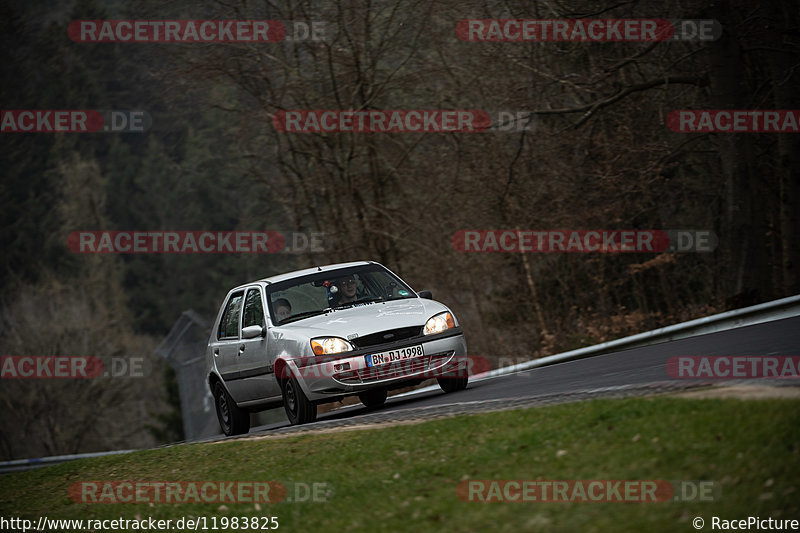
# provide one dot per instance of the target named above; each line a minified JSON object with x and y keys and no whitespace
{"x":404,"y":478}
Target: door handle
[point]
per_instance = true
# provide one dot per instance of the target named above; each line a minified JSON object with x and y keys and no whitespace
{"x":241,"y":349}
{"x":216,"y":351}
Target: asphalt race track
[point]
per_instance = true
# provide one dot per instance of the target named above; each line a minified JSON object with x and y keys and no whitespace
{"x":634,"y":369}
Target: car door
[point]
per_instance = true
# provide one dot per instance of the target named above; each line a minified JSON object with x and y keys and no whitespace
{"x":226,"y":344}
{"x":253,"y":363}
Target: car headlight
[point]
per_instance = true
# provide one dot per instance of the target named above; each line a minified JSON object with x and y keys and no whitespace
{"x":329,"y":345}
{"x":439,"y":323}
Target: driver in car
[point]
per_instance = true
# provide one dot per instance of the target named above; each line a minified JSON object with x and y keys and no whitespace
{"x":347,"y":290}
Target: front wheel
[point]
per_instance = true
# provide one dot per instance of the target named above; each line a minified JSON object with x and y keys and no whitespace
{"x":453,"y":383}
{"x":299,"y":409}
{"x":232,"y":419}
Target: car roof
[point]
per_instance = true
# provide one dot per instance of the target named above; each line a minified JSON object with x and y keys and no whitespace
{"x":306,"y":271}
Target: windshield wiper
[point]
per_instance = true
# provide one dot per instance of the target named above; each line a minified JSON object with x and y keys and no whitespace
{"x":306,"y":314}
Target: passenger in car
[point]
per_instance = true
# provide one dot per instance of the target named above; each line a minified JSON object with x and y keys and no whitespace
{"x":283,"y":309}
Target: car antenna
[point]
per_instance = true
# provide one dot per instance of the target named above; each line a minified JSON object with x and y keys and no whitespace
{"x":319,"y":269}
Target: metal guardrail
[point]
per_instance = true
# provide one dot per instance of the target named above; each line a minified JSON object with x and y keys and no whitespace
{"x":27,"y":464}
{"x":748,"y":316}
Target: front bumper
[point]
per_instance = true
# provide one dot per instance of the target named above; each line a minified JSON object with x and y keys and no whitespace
{"x":348,"y":373}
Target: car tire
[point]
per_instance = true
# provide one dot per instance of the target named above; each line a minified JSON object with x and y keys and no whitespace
{"x":373,"y":398}
{"x":453,"y":384}
{"x":299,"y":410}
{"x":233,"y":420}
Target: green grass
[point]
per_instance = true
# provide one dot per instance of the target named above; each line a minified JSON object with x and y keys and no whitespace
{"x":404,"y":478}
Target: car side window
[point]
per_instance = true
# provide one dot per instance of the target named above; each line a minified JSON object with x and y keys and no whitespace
{"x":229,"y":324}
{"x":253,"y":309}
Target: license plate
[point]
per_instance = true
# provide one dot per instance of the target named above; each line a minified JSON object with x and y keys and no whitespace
{"x":392,"y":356}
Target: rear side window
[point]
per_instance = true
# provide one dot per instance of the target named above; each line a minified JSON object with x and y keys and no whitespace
{"x":229,"y":324}
{"x":253,"y":309}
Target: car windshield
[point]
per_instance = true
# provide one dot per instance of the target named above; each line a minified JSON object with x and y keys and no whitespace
{"x":315,"y":294}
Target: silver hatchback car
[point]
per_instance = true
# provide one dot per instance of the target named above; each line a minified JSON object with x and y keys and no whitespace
{"x":323,"y":333}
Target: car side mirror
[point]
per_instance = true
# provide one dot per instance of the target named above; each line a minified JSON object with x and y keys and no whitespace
{"x":251,"y":332}
{"x":428,"y":295}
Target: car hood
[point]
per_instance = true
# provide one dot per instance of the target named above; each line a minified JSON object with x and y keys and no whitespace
{"x":369,"y":318}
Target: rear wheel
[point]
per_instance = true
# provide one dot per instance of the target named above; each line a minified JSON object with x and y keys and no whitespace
{"x":373,"y":398}
{"x":232,"y":419}
{"x":453,"y":383}
{"x":299,"y":409}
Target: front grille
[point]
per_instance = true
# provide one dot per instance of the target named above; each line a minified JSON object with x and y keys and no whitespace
{"x":395,"y":370}
{"x":390,"y":335}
